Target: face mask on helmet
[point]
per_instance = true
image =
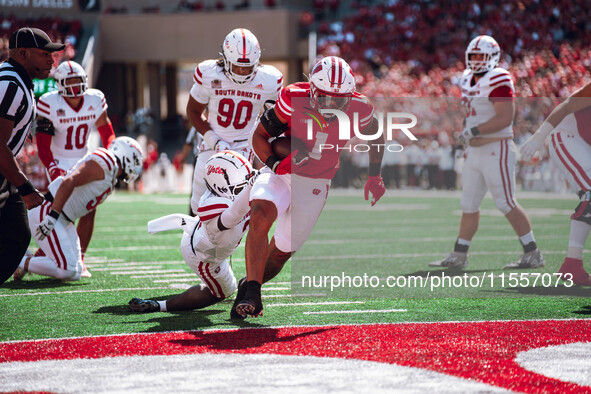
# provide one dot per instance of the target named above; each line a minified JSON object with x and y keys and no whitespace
{"x":227,"y":173}
{"x":483,"y":54}
{"x":332,"y":85}
{"x":241,"y":53}
{"x":129,"y":153}
{"x":70,"y":79}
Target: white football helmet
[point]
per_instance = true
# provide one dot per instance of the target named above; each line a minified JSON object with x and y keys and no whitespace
{"x":332,"y":84}
{"x":227,"y":173}
{"x":487,"y":46}
{"x":129,"y":153}
{"x":66,"y":86}
{"x":240,"y":49}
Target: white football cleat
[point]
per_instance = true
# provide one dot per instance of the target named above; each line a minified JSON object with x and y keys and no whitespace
{"x":531,"y":259}
{"x":453,"y":260}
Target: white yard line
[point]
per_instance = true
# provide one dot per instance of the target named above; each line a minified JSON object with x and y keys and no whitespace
{"x":317,"y":303}
{"x":83,"y":291}
{"x":187,"y":275}
{"x":147,"y":272}
{"x":356,"y":311}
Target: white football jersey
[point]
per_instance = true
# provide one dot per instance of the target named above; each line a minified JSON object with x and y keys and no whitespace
{"x":209,"y":243}
{"x":85,"y":198}
{"x":476,"y":98}
{"x":234,"y":109}
{"x":71,"y":126}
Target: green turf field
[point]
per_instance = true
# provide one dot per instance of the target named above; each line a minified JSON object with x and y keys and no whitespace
{"x":398,"y":237}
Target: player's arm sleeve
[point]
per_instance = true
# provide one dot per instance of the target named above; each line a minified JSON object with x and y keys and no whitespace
{"x":45,"y":132}
{"x":212,"y":208}
{"x":233,"y":215}
{"x":198,"y":90}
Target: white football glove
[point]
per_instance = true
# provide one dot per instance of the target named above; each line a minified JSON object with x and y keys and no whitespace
{"x":47,"y":225}
{"x":535,"y":143}
{"x":465,"y":136}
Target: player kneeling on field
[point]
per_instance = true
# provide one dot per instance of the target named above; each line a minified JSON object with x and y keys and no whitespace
{"x":210,"y":238}
{"x":72,"y":196}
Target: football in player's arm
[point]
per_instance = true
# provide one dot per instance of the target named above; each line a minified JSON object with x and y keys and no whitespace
{"x":294,"y":191}
{"x":570,"y":151}
{"x":70,"y":197}
{"x":212,"y":237}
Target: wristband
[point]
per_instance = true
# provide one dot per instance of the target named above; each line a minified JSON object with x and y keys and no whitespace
{"x":374,"y":169}
{"x":54,"y":214}
{"x":26,"y":188}
{"x":475,"y":131}
{"x":545,"y":129}
{"x":272,"y":162}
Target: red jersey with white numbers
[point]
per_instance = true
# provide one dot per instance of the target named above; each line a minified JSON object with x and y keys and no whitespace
{"x":319,"y":135}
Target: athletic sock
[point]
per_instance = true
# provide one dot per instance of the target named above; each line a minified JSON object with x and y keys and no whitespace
{"x":528,"y":242}
{"x":462,"y":245}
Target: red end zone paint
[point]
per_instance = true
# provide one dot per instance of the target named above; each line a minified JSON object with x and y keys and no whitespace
{"x":483,"y":351}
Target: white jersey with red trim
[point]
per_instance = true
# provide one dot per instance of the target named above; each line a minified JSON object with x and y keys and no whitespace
{"x":71,"y":126}
{"x":85,"y":198}
{"x":209,"y":243}
{"x":477,"y":98}
{"x":234,"y":109}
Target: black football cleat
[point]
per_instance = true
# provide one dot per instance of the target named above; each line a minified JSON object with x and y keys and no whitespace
{"x":251,"y":306}
{"x":239,"y":296}
{"x":143,"y":306}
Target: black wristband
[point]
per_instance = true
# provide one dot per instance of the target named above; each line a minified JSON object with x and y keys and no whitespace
{"x":26,"y":188}
{"x":374,"y":169}
{"x":54,"y":214}
{"x":272,"y":162}
{"x":475,"y":131}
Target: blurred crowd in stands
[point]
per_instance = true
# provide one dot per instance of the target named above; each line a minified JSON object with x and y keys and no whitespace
{"x":413,"y":52}
{"x":62,"y":31}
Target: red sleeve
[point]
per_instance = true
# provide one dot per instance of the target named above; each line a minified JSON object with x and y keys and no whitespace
{"x":501,"y":93}
{"x":44,"y":148}
{"x":107,"y":134}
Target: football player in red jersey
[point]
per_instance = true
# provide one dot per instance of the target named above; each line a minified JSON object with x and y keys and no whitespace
{"x":487,"y":92}
{"x":65,"y":118}
{"x":570,"y":150}
{"x":294,"y":191}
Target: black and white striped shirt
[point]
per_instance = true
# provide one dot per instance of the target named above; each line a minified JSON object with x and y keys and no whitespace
{"x":17,"y":103}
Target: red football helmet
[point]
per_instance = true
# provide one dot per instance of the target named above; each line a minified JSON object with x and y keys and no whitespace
{"x":332,"y":84}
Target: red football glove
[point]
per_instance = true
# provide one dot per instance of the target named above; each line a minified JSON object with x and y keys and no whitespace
{"x":375,"y":185}
{"x":290,"y":164}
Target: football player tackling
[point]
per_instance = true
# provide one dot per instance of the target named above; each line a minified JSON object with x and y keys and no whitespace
{"x":233,"y":89}
{"x":294,"y":191}
{"x":209,"y":240}
{"x":65,"y":118}
{"x":487,"y":92}
{"x":72,"y":196}
{"x":570,"y":150}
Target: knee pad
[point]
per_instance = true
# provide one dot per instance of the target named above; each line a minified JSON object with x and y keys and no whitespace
{"x":503,"y":206}
{"x":583,"y":209}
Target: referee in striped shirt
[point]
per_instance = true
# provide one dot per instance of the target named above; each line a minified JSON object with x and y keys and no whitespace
{"x":30,"y":52}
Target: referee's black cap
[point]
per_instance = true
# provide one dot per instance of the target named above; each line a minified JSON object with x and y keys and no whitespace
{"x":31,"y":37}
